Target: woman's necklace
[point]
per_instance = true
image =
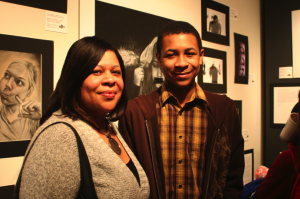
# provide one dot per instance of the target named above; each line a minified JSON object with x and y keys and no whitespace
{"x":112,"y":142}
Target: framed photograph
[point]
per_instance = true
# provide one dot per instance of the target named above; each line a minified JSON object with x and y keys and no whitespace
{"x":212,"y":75}
{"x":26,"y":71}
{"x":249,"y":168}
{"x":284,"y":98}
{"x":54,"y":5}
{"x":215,"y":22}
{"x":241,"y":59}
{"x":135,"y":38}
{"x":238,"y":106}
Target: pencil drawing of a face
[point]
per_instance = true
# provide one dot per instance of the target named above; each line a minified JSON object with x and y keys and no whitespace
{"x":16,"y":81}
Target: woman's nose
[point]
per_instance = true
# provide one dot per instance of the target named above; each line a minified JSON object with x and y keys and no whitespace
{"x":8,"y":84}
{"x":108,"y":79}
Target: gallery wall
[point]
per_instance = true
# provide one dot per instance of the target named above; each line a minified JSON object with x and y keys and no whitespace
{"x":248,"y":24}
{"x":278,"y":53}
{"x":30,"y":22}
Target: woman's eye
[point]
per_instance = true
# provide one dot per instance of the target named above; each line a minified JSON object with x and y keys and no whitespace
{"x":6,"y":75}
{"x":20,"y":83}
{"x":117,"y":72}
{"x":97,"y":72}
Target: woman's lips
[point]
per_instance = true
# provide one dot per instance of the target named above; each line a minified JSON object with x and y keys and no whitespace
{"x":4,"y":95}
{"x":108,"y":94}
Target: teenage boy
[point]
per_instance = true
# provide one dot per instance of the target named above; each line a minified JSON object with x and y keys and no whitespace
{"x":188,"y":140}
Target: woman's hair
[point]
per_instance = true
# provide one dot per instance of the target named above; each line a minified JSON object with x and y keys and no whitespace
{"x":31,"y":72}
{"x":83,"y":56}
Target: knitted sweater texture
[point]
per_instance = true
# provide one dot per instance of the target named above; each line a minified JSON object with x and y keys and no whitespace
{"x":52,"y":168}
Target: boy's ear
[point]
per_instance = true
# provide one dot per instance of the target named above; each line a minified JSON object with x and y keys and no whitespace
{"x":201,"y":56}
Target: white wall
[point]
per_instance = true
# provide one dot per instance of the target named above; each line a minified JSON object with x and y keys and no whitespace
{"x":30,"y":22}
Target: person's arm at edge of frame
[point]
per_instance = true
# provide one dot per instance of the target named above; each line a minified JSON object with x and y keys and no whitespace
{"x":234,"y":182}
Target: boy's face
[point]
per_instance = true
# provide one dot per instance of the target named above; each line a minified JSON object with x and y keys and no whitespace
{"x":180,"y":59}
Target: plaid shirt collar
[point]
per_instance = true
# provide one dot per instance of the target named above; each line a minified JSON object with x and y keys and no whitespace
{"x":167,"y":96}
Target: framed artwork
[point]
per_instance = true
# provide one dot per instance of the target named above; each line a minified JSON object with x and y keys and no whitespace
{"x":284,"y":98}
{"x":249,"y":168}
{"x":212,"y":75}
{"x":238,"y":106}
{"x":215,"y":22}
{"x":241,"y":59}
{"x":53,"y":5}
{"x":135,"y":38}
{"x":26,"y":71}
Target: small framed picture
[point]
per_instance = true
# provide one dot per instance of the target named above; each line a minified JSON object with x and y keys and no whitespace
{"x":238,"y":106}
{"x":284,"y":97}
{"x":241,"y":59}
{"x":212,"y":74}
{"x":215,"y":22}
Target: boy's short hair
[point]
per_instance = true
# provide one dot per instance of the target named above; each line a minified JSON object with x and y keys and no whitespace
{"x":177,"y":27}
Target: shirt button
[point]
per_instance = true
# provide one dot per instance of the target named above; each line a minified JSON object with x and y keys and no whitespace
{"x":180,"y":161}
{"x":180,"y":186}
{"x":180,"y":137}
{"x":180,"y":113}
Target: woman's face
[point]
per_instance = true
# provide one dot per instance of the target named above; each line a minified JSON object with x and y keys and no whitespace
{"x":15,"y":82}
{"x":102,"y":89}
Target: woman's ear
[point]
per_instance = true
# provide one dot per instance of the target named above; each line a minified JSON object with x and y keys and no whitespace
{"x":30,"y":90}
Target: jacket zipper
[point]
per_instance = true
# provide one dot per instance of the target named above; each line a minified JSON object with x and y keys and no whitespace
{"x":210,"y":163}
{"x":152,"y":159}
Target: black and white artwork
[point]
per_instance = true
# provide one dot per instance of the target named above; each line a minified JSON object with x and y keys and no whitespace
{"x":216,"y":22}
{"x":212,"y":75}
{"x":20,"y":94}
{"x":134,"y":34}
{"x":212,"y":70}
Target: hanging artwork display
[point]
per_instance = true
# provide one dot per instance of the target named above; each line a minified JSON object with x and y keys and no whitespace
{"x":215,"y":22}
{"x":26,"y":81}
{"x":212,"y":75}
{"x":135,"y":38}
{"x":241,"y":59}
{"x":53,"y":5}
{"x":238,"y":106}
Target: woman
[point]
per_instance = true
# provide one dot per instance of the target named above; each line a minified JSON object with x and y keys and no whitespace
{"x":88,"y":95}
{"x":19,"y":118}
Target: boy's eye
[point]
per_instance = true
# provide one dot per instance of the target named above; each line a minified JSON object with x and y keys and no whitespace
{"x":170,"y":55}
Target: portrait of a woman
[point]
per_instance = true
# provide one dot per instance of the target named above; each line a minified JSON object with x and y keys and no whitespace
{"x":19,"y":117}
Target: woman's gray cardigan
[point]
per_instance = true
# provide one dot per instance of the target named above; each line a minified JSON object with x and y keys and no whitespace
{"x":52,"y":167}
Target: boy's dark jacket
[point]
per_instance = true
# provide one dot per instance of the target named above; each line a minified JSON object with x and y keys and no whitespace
{"x":224,"y":156}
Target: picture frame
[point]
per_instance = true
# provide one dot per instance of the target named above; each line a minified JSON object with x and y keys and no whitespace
{"x":241,"y":50}
{"x":54,"y":5}
{"x":29,"y":45}
{"x":239,"y":110}
{"x":249,"y":166}
{"x":215,"y":22}
{"x":213,"y":71}
{"x":284,"y":98}
{"x":135,"y":38}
